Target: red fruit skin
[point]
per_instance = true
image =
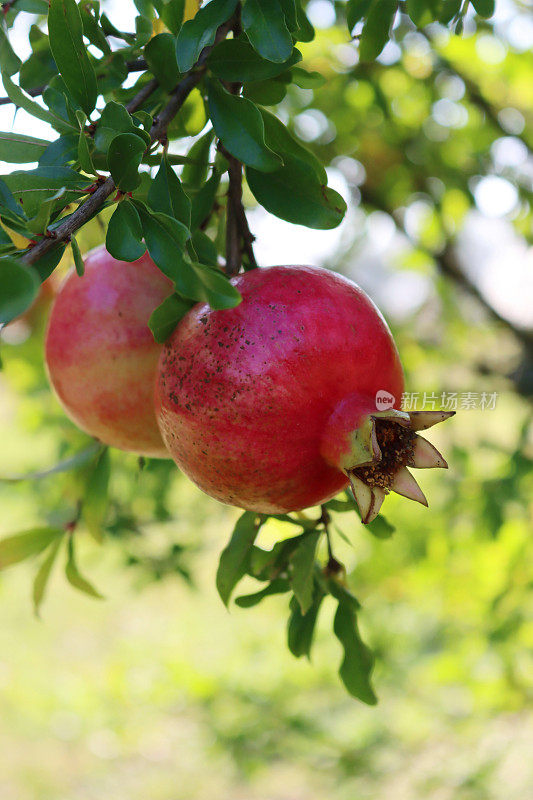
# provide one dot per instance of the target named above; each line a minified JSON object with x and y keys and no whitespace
{"x":101,"y":355}
{"x":244,"y":395}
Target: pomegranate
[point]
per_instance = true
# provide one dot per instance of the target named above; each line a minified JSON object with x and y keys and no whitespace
{"x":271,"y":405}
{"x":101,"y":355}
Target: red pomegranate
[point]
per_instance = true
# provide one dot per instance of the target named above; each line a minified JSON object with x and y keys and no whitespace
{"x":101,"y":355}
{"x":275,"y":405}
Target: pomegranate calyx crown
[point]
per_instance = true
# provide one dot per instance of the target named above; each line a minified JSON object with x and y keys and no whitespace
{"x":376,"y":453}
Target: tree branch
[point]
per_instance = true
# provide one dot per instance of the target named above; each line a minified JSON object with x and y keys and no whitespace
{"x":157,"y":134}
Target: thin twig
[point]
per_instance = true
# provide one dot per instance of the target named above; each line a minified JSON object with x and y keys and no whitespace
{"x":91,"y":206}
{"x":236,"y":221}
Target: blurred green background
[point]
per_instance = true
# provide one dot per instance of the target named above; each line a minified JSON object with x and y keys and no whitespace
{"x":157,"y":692}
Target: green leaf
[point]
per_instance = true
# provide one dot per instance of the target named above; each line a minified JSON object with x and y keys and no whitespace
{"x":279,"y":139}
{"x":164,"y":319}
{"x":355,"y":11}
{"x":115,"y":119}
{"x":40,"y":67}
{"x":124,"y":159}
{"x":85,"y":146}
{"x":233,"y":560}
{"x":167,"y":195}
{"x":377,"y":28}
{"x":307,"y":80}
{"x":203,"y":200}
{"x":17,"y":548}
{"x":239,"y":125}
{"x":43,"y":574}
{"x":303,"y":564}
{"x":195,"y":170}
{"x":62,"y":151}
{"x":422,"y":12}
{"x":78,"y":260}
{"x":266,"y":93}
{"x":264,"y":23}
{"x":19,"y":287}
{"x":33,"y":6}
{"x":291,"y":16}
{"x":165,"y":239}
{"x":145,"y":8}
{"x":200,"y":31}
{"x":301,"y":627}
{"x":278,"y":586}
{"x":47,"y":263}
{"x":8,"y":58}
{"x":143,"y":30}
{"x":358,"y":661}
{"x":485,"y":8}
{"x":9,"y":207}
{"x":73,"y":574}
{"x":172,"y":14}
{"x":32,"y":187}
{"x":91,"y":29}
{"x":39,"y":223}
{"x":20,"y":98}
{"x":204,"y":249}
{"x":124,"y":233}
{"x":236,"y":60}
{"x":294,"y":194}
{"x":66,"y":42}
{"x":305,"y":31}
{"x":449,"y":10}
{"x":94,"y":507}
{"x":160,"y":54}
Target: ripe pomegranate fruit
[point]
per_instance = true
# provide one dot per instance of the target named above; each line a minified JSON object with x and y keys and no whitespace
{"x":101,"y":355}
{"x":271,"y":405}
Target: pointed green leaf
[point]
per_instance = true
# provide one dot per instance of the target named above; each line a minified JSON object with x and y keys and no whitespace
{"x":293,"y":193}
{"x":66,"y":42}
{"x":485,"y":8}
{"x":160,"y":54}
{"x":73,"y":574}
{"x":200,"y":31}
{"x":195,"y":170}
{"x":124,"y":239}
{"x":358,"y":661}
{"x":43,"y":575}
{"x":19,"y":287}
{"x":356,"y":10}
{"x":17,"y":548}
{"x":233,"y":560}
{"x":124,"y":159}
{"x":303,"y":566}
{"x":18,"y":148}
{"x":301,"y":627}
{"x":20,"y":98}
{"x":167,"y":195}
{"x":264,"y":23}
{"x":279,"y":139}
{"x":278,"y":586}
{"x":94,"y":507}
{"x":377,"y":28}
{"x":236,"y":60}
{"x":76,"y":253}
{"x":172,"y":14}
{"x":239,"y":125}
{"x":164,"y":319}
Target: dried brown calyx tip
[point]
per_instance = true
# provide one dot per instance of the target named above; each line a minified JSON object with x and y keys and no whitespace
{"x":393,"y":445}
